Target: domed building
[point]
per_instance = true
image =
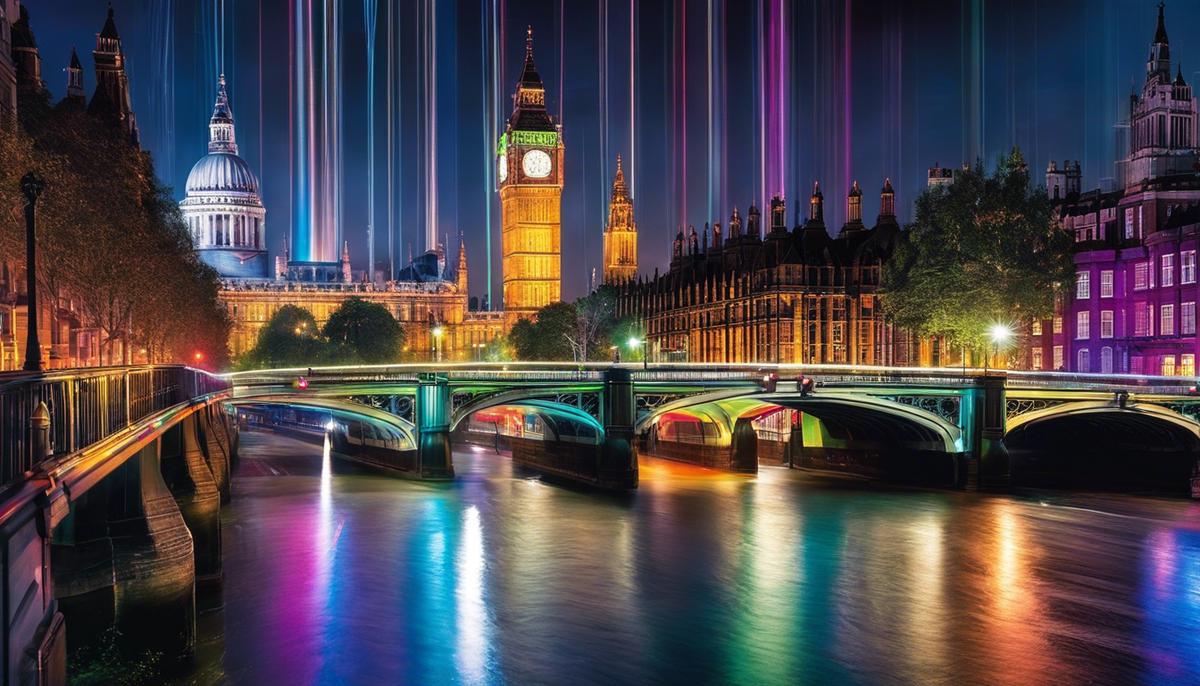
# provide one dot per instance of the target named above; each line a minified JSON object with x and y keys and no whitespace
{"x":223,"y":208}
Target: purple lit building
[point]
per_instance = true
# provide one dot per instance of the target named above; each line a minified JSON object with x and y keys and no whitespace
{"x":1132,"y":308}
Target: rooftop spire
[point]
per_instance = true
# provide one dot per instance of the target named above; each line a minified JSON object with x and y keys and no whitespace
{"x":110,"y":26}
{"x":619,"y":190}
{"x":220,"y":128}
{"x":1160,"y":33}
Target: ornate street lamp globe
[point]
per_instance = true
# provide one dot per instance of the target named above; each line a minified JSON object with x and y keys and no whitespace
{"x":223,"y":208}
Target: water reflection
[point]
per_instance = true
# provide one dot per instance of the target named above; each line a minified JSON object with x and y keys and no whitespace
{"x":339,"y":576}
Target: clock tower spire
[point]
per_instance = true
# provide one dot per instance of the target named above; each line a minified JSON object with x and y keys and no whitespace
{"x":530,"y":171}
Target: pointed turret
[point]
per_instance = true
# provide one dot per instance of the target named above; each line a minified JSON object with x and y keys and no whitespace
{"x":460,"y":272}
{"x":887,"y":200}
{"x":27,"y":61}
{"x":854,"y":221}
{"x":816,"y":207}
{"x":75,"y":92}
{"x":1159,"y":63}
{"x":111,"y":99}
{"x":345,"y":263}
{"x":620,"y":235}
{"x":529,"y":101}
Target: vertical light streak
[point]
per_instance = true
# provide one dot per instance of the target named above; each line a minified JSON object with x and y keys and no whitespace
{"x":632,"y":100}
{"x":390,"y":96}
{"x":370,"y":16}
{"x":847,"y":96}
{"x":431,"y":128}
{"x":603,"y":96}
{"x":760,"y":51}
{"x":496,"y":31}
{"x":709,"y":212}
{"x":472,"y":626}
{"x":261,"y":89}
{"x":489,"y":175}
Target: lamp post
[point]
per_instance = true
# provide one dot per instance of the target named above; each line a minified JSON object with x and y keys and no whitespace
{"x":634,"y":344}
{"x":32,"y":186}
{"x":1000,"y":334}
{"x":437,"y":342}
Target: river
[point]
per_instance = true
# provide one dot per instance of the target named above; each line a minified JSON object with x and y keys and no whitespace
{"x":335,"y":575}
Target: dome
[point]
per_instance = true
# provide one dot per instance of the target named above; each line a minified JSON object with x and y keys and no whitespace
{"x":222,"y":172}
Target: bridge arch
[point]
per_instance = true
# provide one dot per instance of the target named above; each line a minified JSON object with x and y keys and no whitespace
{"x":565,"y":422}
{"x":1104,"y":444}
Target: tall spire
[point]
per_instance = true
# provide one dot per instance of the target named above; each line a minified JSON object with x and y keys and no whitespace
{"x":619,"y":189}
{"x":529,"y":102}
{"x":1159,"y":62}
{"x":221,"y":136}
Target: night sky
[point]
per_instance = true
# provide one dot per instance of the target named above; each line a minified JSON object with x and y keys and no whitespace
{"x":827,"y":91}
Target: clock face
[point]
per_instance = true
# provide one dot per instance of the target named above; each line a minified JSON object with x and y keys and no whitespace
{"x":536,"y":164}
{"x":503,"y":167}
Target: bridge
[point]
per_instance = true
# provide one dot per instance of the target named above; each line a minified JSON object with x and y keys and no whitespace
{"x":112,"y":479}
{"x":587,"y":423}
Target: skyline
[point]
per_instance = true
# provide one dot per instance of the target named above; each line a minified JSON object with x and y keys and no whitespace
{"x":900,"y":81}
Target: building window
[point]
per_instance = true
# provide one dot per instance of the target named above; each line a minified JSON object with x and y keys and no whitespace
{"x":1037,"y":327}
{"x":1187,"y":364}
{"x":1106,"y":283}
{"x":1106,"y":365}
{"x":1141,"y":320}
{"x":1187,"y":319}
{"x":1168,"y":365}
{"x":1058,"y":357}
{"x":1128,"y":223}
{"x":1083,"y":325}
{"x":1083,"y":361}
{"x":1166,"y":320}
{"x":1187,"y":266}
{"x":1057,"y":327}
{"x":1083,"y":285}
{"x":1141,"y":276}
{"x":1135,"y":364}
{"x":1106,"y":324}
{"x":1166,"y":275}
{"x":1036,"y":361}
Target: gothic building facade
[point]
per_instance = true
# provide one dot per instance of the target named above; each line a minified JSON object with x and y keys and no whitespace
{"x":530,"y":171}
{"x":748,"y":293}
{"x":1132,"y":308}
{"x":620,"y":234}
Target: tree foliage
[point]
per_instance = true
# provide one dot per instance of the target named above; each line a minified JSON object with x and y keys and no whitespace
{"x":581,"y":331}
{"x":981,"y":251}
{"x":365,"y":331}
{"x":111,"y":242}
{"x":357,"y":331}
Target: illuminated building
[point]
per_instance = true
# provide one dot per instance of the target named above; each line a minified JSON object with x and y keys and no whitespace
{"x":1132,"y":308}
{"x":620,"y":236}
{"x":223,"y":210}
{"x":786,"y":296}
{"x":530,"y":173}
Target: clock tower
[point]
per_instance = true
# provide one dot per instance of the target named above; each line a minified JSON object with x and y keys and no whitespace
{"x":530,"y":171}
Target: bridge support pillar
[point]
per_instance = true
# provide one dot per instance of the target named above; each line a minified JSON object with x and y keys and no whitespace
{"x":983,"y":417}
{"x":215,"y":453}
{"x":618,"y":465}
{"x":191,"y":482}
{"x":432,"y":415}
{"x":744,"y":448}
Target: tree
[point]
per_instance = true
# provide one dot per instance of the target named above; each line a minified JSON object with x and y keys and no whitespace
{"x":548,"y":336}
{"x":595,"y":317}
{"x":289,"y":339}
{"x":981,"y":251}
{"x":365,"y":331}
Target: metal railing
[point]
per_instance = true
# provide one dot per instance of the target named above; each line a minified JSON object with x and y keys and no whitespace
{"x":87,"y":406}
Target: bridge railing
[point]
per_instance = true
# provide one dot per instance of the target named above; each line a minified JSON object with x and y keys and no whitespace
{"x":87,"y":406}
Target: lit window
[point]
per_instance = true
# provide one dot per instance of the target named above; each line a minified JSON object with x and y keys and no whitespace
{"x":1187,"y":364}
{"x":1058,"y":357}
{"x":1141,"y":276}
{"x":1036,"y":361}
{"x":1037,"y":327}
{"x":1083,"y":285}
{"x":1128,"y":223}
{"x":1106,"y":360}
{"x":1106,"y":324}
{"x":1168,"y":365}
{"x":1187,"y":266}
{"x":1083,"y":361}
{"x":1187,"y":319}
{"x":1083,"y":325}
{"x":1166,"y":320}
{"x":1166,"y":275}
{"x":1057,"y":324}
{"x":1106,"y":283}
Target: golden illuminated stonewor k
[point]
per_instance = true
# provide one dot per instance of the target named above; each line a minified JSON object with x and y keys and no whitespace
{"x":530,"y":172}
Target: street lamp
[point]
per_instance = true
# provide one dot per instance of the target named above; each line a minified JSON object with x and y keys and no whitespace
{"x":32,"y":186}
{"x":1000,"y":334}
{"x":634,"y":344}
{"x":437,"y":342}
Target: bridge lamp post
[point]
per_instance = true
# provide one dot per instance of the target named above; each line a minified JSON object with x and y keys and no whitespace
{"x":437,"y":342}
{"x":634,"y":344}
{"x":32,"y":186}
{"x":1000,"y":336}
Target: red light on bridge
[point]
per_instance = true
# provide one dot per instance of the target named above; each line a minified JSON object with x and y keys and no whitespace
{"x":199,"y":356}
{"x":769,"y":381}
{"x":805,"y":384}
{"x":300,"y":384}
